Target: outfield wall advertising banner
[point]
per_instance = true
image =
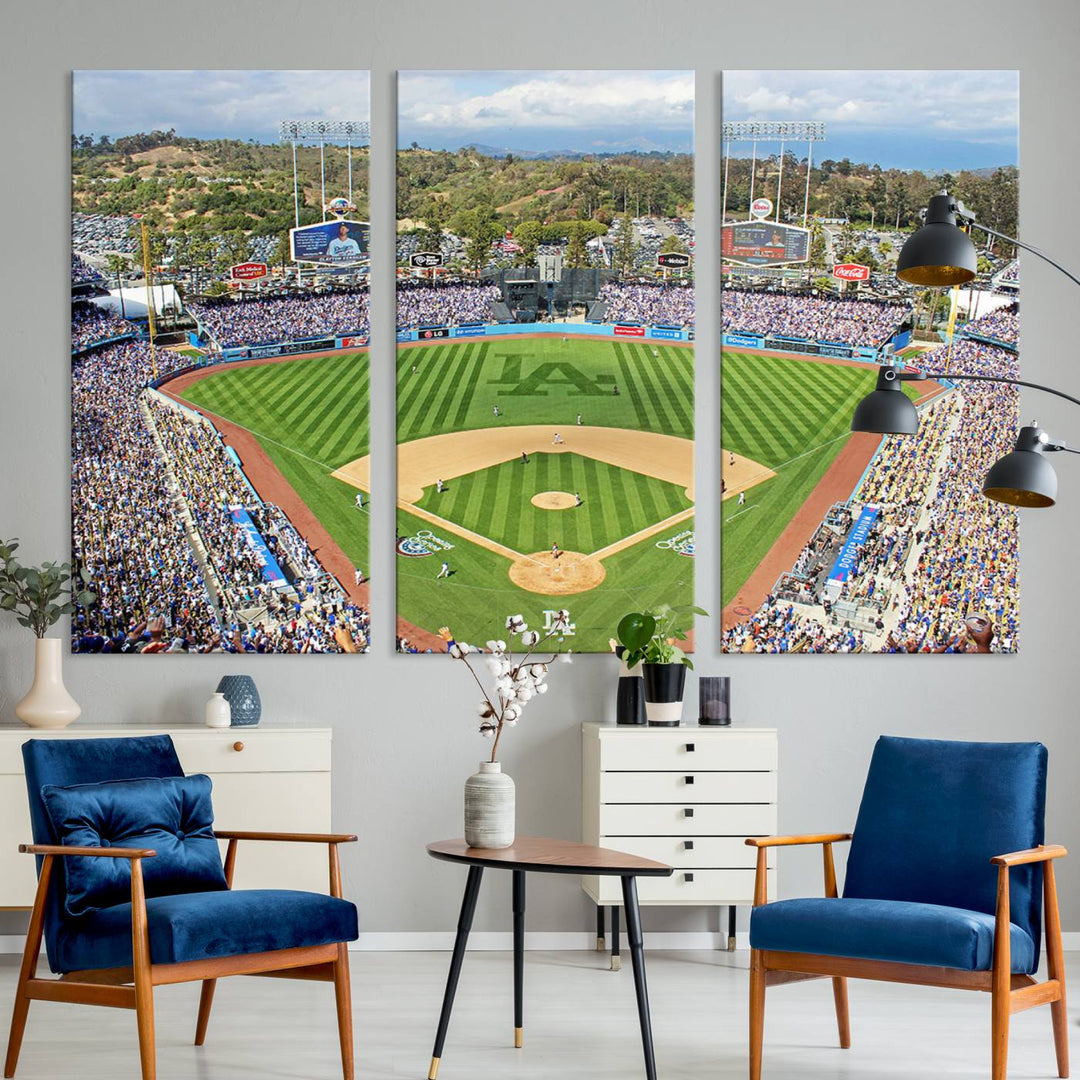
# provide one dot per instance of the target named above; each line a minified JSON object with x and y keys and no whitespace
{"x":842,"y":542}
{"x":241,"y":532}
{"x":544,"y":465}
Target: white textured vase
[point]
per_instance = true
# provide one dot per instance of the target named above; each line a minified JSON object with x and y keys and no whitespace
{"x":218,"y":711}
{"x":489,"y":807}
{"x":48,"y":704}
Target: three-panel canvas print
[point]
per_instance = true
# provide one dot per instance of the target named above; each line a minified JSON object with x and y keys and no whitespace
{"x":545,"y":267}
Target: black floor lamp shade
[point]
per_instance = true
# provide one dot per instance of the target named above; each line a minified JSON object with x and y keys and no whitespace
{"x":1023,"y":477}
{"x":886,"y":411}
{"x":938,"y":254}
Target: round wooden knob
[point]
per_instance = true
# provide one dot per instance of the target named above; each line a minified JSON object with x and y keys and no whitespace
{"x":238,"y":746}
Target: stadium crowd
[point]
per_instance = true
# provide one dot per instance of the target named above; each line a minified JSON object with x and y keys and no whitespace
{"x":1003,"y":325}
{"x":233,"y":323}
{"x":90,"y":325}
{"x":847,"y":322}
{"x":81,"y":271}
{"x":940,"y":554}
{"x":650,"y":305}
{"x":129,"y":534}
{"x":423,"y":304}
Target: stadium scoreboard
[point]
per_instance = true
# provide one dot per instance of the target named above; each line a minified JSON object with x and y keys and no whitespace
{"x":764,"y":243}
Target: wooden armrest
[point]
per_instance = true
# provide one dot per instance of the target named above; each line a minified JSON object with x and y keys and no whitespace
{"x":1042,"y":853}
{"x":101,"y":852}
{"x":299,"y":838}
{"x":792,"y":841}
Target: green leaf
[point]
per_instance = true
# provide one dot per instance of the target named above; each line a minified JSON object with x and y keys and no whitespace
{"x":635,"y":630}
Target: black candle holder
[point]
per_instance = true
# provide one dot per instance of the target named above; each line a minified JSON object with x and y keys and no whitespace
{"x":714,"y":700}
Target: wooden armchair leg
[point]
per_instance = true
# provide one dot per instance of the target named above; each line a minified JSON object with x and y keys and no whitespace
{"x":843,"y":1025}
{"x":1055,"y":968}
{"x":343,"y":993}
{"x":144,"y":987}
{"x":757,"y":1011}
{"x":28,"y":970}
{"x":206,"y":1000}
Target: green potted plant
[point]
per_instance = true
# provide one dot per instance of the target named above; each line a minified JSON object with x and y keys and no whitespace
{"x":39,"y":596}
{"x":649,"y":638}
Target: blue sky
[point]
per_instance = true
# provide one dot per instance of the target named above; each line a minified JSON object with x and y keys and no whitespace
{"x":930,"y":120}
{"x":214,"y":104}
{"x":585,"y":111}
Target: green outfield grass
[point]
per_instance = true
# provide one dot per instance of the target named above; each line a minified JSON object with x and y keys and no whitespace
{"x":541,"y":380}
{"x":456,"y":386}
{"x":311,"y":416}
{"x":793,"y":416}
{"x":495,"y":503}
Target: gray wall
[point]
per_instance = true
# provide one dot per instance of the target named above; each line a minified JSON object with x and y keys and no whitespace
{"x":403,"y":726}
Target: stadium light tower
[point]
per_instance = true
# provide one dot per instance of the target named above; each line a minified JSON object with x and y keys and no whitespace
{"x":299,"y":132}
{"x":782,"y":131}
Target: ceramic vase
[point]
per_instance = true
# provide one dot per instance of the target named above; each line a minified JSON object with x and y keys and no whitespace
{"x":218,"y":713}
{"x":489,"y":807}
{"x":630,"y":697}
{"x":664,"y":686}
{"x":48,"y":704}
{"x":243,"y":698}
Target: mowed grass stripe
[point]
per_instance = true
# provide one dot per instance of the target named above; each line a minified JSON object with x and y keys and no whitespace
{"x":666,"y":385}
{"x":662,"y":419}
{"x":632,"y":388}
{"x":450,"y":389}
{"x":465,"y":392}
{"x":412,"y":405}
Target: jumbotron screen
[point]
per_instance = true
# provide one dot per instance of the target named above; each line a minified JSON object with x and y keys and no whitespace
{"x":764,"y":243}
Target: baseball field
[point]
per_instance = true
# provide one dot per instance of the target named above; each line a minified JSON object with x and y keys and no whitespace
{"x":310,"y":415}
{"x":792,"y":416}
{"x":585,"y":445}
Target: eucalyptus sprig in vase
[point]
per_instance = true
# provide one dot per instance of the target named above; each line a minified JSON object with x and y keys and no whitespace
{"x":489,"y":793}
{"x":39,"y":596}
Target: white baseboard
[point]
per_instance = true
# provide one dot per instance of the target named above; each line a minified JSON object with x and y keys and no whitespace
{"x":539,"y":941}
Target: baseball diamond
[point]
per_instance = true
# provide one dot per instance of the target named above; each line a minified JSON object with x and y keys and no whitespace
{"x":604,"y":422}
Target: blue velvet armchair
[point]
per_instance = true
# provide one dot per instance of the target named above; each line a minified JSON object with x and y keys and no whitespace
{"x":945,"y":876}
{"x":132,"y":892}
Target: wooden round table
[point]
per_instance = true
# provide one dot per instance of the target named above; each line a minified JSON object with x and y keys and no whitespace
{"x":541,"y":855}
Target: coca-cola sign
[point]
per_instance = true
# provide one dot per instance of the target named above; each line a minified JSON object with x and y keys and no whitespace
{"x":851,"y":272}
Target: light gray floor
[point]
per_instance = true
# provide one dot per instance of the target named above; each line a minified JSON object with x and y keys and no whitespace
{"x":580,"y":1021}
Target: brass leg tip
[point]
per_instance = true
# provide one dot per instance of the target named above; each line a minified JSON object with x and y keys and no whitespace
{"x":433,"y":1072}
{"x":517,"y":1038}
{"x":601,"y":945}
{"x":731,"y":944}
{"x":616,"y":963}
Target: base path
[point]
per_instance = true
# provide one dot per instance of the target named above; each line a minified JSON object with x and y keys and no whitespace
{"x":741,"y":473}
{"x":422,"y":462}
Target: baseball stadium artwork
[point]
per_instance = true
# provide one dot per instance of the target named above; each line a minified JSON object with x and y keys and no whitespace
{"x":219,"y":335}
{"x":545,"y":321}
{"x":834,"y":541}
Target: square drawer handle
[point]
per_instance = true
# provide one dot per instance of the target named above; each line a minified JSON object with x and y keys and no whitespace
{"x":688,"y":812}
{"x":688,"y":779}
{"x":688,"y":878}
{"x":689,"y":747}
{"x":688,"y":845}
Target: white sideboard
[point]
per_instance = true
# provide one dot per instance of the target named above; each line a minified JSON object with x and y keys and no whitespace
{"x":272,"y":779}
{"x":686,"y":796}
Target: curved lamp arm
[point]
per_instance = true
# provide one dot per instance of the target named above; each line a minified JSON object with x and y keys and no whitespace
{"x":1027,"y":247}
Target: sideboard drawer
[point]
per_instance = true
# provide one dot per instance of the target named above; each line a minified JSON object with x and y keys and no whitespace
{"x":688,"y":750}
{"x":670,"y":819}
{"x":237,"y":750}
{"x":708,"y":888}
{"x":702,"y":852}
{"x":687,"y":787}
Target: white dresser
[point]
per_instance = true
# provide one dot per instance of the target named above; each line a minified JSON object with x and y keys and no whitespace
{"x":273,"y":779}
{"x":686,"y":796}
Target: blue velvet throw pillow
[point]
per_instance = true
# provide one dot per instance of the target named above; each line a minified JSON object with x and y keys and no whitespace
{"x":172,"y":815}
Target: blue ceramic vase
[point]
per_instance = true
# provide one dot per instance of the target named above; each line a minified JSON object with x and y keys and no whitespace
{"x":243,"y":699}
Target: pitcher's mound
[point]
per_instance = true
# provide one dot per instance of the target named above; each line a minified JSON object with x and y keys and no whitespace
{"x":553,"y":500}
{"x":571,"y":572}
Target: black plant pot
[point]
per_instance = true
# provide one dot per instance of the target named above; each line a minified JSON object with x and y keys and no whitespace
{"x":664,"y":685}
{"x":630,"y":698}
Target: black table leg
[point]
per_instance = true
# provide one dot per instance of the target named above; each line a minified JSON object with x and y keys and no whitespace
{"x":637,"y":958}
{"x":616,"y":958}
{"x":519,"y":954}
{"x":731,"y":927}
{"x":600,"y":944}
{"x":468,"y":908}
